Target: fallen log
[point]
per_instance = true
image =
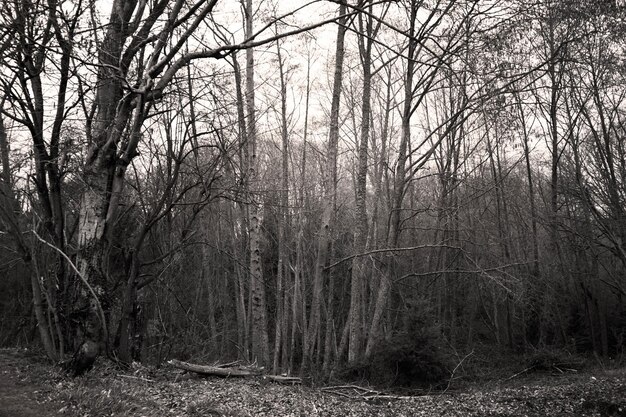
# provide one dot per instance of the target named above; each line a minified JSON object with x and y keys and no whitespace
{"x":212,"y":370}
{"x":283,"y":379}
{"x":231,"y":372}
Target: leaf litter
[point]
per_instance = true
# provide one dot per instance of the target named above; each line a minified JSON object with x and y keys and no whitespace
{"x":141,"y":391}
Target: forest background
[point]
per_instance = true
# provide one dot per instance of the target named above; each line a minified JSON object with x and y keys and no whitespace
{"x":311,"y":185}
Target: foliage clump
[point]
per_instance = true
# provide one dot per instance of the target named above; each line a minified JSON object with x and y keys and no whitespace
{"x":407,"y":360}
{"x":547,"y":360}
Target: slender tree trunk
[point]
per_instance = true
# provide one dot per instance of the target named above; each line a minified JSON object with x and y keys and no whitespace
{"x":329,"y":200}
{"x":283,"y":259}
{"x":243,"y":341}
{"x":243,"y":322}
{"x":300,"y":306}
{"x":260,"y":339}
{"x":398,"y":191}
{"x":129,"y":312}
{"x":531,"y":190}
{"x":357,"y":295}
{"x":42,"y":321}
{"x":9,"y":211}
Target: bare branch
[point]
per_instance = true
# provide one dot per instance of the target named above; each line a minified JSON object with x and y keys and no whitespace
{"x":388,"y":250}
{"x":101,"y":316}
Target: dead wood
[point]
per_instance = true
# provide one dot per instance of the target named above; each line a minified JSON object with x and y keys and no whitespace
{"x":220,"y":370}
{"x":283,"y":379}
{"x":212,"y":370}
{"x":356,"y":392}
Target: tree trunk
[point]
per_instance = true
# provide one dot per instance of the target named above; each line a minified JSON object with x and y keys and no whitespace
{"x":283,"y":223}
{"x":260,"y":340}
{"x":357,"y":295}
{"x":398,"y":191}
{"x":531,"y":189}
{"x":129,"y":314}
{"x":330,"y":185}
{"x":90,"y":337}
{"x":101,"y":181}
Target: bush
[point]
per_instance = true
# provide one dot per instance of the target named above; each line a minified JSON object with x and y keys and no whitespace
{"x":553,"y":360}
{"x":405,"y":360}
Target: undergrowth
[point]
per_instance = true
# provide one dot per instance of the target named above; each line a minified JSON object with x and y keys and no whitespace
{"x":406,"y":360}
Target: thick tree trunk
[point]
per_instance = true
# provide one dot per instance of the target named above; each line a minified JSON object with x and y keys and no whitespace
{"x":90,"y":338}
{"x":98,"y":175}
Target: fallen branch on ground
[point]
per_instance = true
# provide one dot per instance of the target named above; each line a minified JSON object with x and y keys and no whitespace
{"x":232,"y":372}
{"x":284,"y":379}
{"x":136,"y":377}
{"x":356,"y":392}
{"x":519,"y":373}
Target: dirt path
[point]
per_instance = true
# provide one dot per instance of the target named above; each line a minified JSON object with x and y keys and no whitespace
{"x":20,"y":394}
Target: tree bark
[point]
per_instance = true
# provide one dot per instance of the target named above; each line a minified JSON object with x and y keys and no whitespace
{"x":260,"y":340}
{"x":330,"y":185}
{"x":398,"y":188}
{"x":357,"y":295}
{"x":283,"y":223}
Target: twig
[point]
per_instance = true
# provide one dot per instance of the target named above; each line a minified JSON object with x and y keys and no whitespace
{"x":227,"y":365}
{"x":362,"y":393}
{"x":387,"y":250}
{"x":388,"y":397}
{"x":349,"y":387}
{"x":519,"y":373}
{"x":460,"y":271}
{"x":136,"y":377}
{"x":454,"y":370}
{"x":341,"y":394}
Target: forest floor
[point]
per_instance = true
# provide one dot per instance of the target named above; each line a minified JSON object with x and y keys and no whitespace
{"x":31,"y":387}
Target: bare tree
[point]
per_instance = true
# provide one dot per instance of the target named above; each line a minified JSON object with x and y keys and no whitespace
{"x":324,"y":242}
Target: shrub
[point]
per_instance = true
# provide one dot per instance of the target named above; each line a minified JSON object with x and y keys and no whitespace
{"x":409,"y":360}
{"x":553,"y":360}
